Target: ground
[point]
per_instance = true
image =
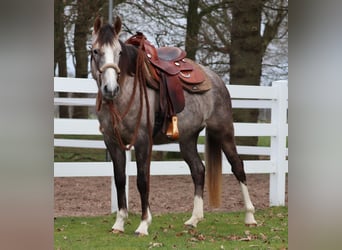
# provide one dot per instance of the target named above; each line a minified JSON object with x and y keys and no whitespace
{"x":90,"y":196}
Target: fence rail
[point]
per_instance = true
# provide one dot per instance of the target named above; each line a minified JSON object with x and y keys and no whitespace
{"x":274,"y":98}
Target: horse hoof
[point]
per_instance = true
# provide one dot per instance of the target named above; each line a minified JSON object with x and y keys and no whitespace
{"x":251,"y":225}
{"x":138,"y":234}
{"x":193,"y":221}
{"x":116,"y":231}
{"x":189,"y":226}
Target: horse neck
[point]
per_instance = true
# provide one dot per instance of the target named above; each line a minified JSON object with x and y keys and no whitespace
{"x":133,"y":84}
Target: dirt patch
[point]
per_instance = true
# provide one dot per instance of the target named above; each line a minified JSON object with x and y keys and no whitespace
{"x":90,"y":196}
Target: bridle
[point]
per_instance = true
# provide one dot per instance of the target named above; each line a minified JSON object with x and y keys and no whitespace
{"x":110,"y":65}
{"x":99,"y":70}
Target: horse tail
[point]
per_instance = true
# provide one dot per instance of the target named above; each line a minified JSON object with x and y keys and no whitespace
{"x":213,"y":163}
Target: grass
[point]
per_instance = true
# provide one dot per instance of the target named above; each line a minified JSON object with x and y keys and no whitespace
{"x":64,"y":154}
{"x":79,"y":154}
{"x":264,"y":141}
{"x":216,"y":231}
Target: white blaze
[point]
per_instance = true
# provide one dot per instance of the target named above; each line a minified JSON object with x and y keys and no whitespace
{"x":110,"y":76}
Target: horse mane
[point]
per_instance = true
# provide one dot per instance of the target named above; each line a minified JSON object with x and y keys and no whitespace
{"x":132,"y":62}
{"x":128,"y":59}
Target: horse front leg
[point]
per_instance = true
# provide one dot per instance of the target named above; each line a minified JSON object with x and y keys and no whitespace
{"x":143,"y":155}
{"x":119,"y":165}
{"x":190,"y":155}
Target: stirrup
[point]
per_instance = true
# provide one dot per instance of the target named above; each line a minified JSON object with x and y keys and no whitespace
{"x":172,"y":131}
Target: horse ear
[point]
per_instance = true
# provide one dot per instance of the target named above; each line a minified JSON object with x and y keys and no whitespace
{"x":117,"y":25}
{"x":97,"y":24}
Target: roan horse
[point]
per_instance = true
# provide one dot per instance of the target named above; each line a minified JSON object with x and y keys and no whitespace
{"x":126,"y":109}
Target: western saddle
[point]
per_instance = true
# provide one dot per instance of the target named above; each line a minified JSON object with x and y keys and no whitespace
{"x":170,"y":73}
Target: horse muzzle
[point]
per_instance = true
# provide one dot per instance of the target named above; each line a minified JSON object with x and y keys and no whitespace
{"x":109,"y":89}
{"x":110,"y":93}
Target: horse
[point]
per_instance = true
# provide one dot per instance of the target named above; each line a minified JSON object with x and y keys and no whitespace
{"x":126,"y":109}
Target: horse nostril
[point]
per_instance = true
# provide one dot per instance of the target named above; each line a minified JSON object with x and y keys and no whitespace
{"x":105,"y":89}
{"x":116,"y":90}
{"x":111,"y":92}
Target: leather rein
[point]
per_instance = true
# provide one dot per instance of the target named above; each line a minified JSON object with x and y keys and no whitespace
{"x":116,"y":116}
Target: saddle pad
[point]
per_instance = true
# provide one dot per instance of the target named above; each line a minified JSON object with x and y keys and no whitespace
{"x":198,"y":88}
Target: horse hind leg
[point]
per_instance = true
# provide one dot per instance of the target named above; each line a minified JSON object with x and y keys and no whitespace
{"x":229,"y":149}
{"x":189,"y":153}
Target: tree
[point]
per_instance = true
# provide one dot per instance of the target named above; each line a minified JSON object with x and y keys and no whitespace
{"x":194,"y":14}
{"x":246,"y":55}
{"x":175,"y":21}
{"x":215,"y":39}
{"x":87,"y":10}
{"x":248,"y":46}
{"x":60,"y":50}
{"x":193,"y":19}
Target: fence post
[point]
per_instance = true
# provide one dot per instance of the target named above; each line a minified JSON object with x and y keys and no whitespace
{"x":278,"y":144}
{"x":114,"y":198}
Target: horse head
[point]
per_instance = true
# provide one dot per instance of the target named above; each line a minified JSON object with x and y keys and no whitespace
{"x":105,"y":56}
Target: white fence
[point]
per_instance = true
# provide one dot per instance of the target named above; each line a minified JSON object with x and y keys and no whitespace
{"x":274,"y":98}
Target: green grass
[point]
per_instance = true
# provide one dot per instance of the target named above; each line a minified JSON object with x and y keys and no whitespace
{"x":264,"y":141}
{"x":79,"y":154}
{"x":83,"y":154}
{"x":67,"y":154}
{"x":216,"y":231}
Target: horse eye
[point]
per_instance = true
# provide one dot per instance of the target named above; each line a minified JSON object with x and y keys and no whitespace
{"x":95,"y":51}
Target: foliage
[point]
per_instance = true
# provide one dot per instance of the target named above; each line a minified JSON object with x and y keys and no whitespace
{"x":216,"y":231}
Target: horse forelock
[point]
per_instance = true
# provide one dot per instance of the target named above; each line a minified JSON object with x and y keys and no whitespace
{"x":106,"y":35}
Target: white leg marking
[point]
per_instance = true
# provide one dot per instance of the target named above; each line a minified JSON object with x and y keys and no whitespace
{"x":197,"y":213}
{"x":143,"y":227}
{"x":249,"y":219}
{"x":119,"y":224}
